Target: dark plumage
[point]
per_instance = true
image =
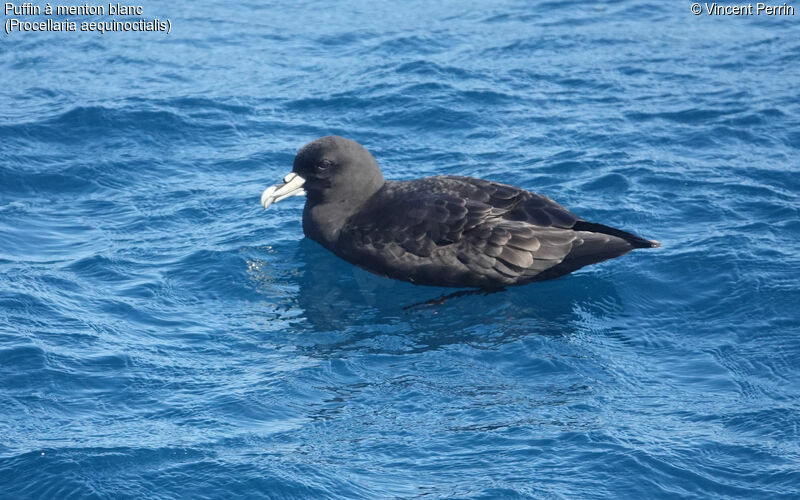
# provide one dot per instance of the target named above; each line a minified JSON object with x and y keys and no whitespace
{"x":444,"y":230}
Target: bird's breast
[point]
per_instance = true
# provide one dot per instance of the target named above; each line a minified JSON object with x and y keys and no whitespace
{"x":322,"y":224}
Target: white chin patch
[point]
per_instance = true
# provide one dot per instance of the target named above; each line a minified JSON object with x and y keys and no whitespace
{"x":292,"y":186}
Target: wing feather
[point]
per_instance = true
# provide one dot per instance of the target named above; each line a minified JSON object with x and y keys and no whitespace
{"x":464,"y":230}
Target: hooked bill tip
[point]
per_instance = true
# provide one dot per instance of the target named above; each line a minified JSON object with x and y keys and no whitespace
{"x":266,"y":196}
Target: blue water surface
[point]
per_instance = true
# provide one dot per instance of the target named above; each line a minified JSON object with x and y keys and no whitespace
{"x":161,"y":336}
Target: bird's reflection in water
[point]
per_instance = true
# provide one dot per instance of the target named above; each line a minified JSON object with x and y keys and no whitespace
{"x":348,"y":308}
{"x":338,"y":307}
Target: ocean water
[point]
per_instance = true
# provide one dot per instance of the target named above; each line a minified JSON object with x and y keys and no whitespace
{"x":161,"y":336}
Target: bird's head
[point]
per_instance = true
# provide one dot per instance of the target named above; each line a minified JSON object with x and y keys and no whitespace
{"x":329,"y":170}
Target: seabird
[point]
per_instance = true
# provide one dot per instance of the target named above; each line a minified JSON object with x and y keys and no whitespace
{"x":442,"y":231}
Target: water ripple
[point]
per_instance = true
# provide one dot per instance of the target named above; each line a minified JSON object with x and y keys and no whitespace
{"x":161,"y":335}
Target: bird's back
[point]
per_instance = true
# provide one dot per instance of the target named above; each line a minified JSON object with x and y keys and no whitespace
{"x":466,"y":232}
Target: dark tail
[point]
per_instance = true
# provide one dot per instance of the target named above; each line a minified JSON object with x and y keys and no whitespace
{"x":596,"y":249}
{"x":631,"y":238}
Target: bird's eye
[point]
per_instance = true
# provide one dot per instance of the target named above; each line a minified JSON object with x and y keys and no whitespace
{"x":323,"y":166}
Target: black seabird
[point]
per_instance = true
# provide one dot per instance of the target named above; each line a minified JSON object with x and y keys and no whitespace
{"x":442,"y":231}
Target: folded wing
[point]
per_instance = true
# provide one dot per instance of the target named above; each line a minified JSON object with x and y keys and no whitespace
{"x":466,"y":230}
